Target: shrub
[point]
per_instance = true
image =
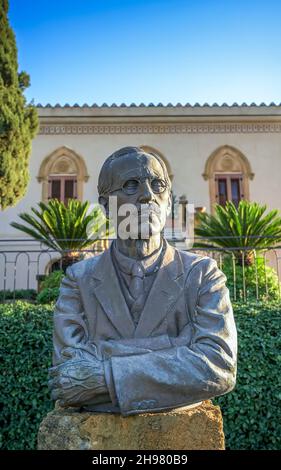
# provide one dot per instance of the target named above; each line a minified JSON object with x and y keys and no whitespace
{"x":247,"y":228}
{"x":251,"y":412}
{"x":25,"y":356}
{"x":260,"y":280}
{"x":53,"y":280}
{"x":67,"y":228}
{"x":48,"y":295}
{"x":50,"y":288}
{"x":26,"y":294}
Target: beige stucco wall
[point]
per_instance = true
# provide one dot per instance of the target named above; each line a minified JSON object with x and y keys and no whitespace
{"x":185,"y":136}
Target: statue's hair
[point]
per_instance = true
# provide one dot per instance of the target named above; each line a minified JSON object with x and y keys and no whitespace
{"x":106,"y":175}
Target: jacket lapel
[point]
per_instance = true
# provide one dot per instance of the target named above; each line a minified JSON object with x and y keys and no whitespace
{"x":106,"y":287}
{"x":164,"y":293}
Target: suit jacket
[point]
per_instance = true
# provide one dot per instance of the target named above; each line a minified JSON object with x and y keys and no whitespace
{"x":183,"y":349}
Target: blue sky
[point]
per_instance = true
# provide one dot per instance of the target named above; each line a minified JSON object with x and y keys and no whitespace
{"x":86,"y":51}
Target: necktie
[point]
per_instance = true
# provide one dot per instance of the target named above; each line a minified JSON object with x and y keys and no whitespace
{"x":137,"y":290}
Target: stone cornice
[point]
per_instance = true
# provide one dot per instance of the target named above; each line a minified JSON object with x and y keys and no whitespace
{"x":159,"y":119}
{"x":80,"y":128}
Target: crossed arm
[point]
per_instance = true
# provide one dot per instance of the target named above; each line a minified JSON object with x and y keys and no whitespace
{"x":82,"y":372}
{"x":177,"y":371}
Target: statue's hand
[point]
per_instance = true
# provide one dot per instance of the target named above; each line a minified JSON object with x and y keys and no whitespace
{"x":78,"y":382}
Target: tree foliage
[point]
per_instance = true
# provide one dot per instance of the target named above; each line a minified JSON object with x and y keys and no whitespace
{"x":68,"y":229}
{"x":18,"y":120}
{"x":243,"y":230}
{"x":63,"y":227}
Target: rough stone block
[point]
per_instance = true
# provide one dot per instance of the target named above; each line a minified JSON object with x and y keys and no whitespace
{"x":190,"y":428}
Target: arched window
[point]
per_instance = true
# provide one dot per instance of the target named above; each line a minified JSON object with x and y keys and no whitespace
{"x":228,"y":172}
{"x":62,"y":174}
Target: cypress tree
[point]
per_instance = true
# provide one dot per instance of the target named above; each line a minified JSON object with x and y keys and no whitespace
{"x":18,"y":120}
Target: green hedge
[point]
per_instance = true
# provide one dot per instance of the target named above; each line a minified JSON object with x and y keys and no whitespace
{"x":251,"y":412}
{"x":25,"y":357}
{"x":50,"y":288}
{"x":53,"y":280}
{"x":48,"y":295}
{"x":19,"y":294}
{"x":260,"y":280}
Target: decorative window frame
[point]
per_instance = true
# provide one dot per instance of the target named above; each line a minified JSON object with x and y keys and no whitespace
{"x":72,"y":164}
{"x":227,"y":160}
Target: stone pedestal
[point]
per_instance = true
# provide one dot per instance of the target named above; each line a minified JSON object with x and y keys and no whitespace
{"x":192,"y":428}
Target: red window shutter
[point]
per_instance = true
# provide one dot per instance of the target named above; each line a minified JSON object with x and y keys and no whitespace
{"x":62,"y":188}
{"x":222,"y":190}
{"x":56,"y":189}
{"x":235,"y":191}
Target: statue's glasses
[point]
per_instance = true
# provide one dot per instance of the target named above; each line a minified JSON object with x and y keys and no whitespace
{"x":132,"y":186}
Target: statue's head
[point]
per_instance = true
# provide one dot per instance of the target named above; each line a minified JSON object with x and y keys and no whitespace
{"x":141,"y":180}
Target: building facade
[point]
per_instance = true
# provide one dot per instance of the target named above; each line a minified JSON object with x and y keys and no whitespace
{"x":213,"y":153}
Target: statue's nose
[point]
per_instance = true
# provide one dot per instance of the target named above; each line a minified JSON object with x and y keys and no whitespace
{"x":146,"y":193}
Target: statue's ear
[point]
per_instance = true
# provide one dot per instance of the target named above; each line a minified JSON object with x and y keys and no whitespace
{"x":103,"y":201}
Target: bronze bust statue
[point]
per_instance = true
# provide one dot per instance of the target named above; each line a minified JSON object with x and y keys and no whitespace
{"x":142,"y":326}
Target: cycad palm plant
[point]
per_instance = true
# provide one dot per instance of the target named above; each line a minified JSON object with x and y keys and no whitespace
{"x":243,"y":230}
{"x":64,"y":228}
